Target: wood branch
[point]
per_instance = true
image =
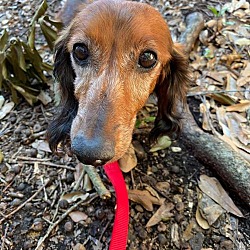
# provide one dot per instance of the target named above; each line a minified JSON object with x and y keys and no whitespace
{"x":194,"y":25}
{"x":218,"y":155}
{"x":207,"y":148}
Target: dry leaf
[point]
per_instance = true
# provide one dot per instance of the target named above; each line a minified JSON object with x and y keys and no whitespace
{"x":129,"y":160}
{"x":74,"y":196}
{"x":204,"y":110}
{"x":208,"y":209}
{"x":163,"y":213}
{"x":239,"y":107}
{"x":200,"y":220}
{"x":237,"y":131}
{"x":243,"y":41}
{"x":163,"y":186}
{"x":2,"y":100}
{"x":188,"y":233}
{"x":79,"y":246}
{"x":7,"y":107}
{"x":41,"y":145}
{"x":212,"y":188}
{"x":44,"y":97}
{"x":77,"y":216}
{"x":144,"y":198}
{"x":79,"y":168}
{"x":163,"y":142}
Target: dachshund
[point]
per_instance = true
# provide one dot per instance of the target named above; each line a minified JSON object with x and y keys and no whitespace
{"x":110,"y":56}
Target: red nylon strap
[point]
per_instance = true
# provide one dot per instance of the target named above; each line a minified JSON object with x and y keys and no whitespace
{"x":120,"y":229}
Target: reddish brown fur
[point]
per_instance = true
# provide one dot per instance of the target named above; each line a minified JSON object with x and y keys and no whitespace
{"x":112,"y":88}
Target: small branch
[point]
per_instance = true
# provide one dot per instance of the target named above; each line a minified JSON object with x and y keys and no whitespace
{"x":50,"y":164}
{"x":22,"y":205}
{"x":63,"y":216}
{"x":25,"y":158}
{"x":97,"y":182}
{"x":79,"y":179}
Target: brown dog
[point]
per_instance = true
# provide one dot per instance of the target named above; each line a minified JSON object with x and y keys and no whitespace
{"x":110,"y":57}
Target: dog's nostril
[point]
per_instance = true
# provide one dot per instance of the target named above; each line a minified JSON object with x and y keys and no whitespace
{"x":96,"y":151}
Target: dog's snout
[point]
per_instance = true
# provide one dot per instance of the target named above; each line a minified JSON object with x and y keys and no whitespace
{"x":95,"y":151}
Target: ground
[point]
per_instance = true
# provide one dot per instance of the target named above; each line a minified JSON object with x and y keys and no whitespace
{"x":47,"y":185}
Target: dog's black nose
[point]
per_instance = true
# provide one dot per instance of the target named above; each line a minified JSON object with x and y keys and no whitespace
{"x":95,"y":152}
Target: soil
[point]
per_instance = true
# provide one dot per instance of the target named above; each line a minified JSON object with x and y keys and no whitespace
{"x":28,"y":165}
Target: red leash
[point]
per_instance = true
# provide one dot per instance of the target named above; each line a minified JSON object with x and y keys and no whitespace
{"x":120,"y":229}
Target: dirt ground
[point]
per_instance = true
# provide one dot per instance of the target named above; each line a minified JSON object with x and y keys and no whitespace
{"x":46,"y":185}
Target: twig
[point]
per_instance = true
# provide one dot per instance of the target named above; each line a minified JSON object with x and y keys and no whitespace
{"x":79,"y":179}
{"x":4,"y":237}
{"x":22,"y":205}
{"x":25,"y":158}
{"x":63,"y":216}
{"x":215,"y":92}
{"x":104,"y":230}
{"x":97,"y":182}
{"x":50,"y":164}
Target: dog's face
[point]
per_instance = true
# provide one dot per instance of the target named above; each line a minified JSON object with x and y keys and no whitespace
{"x":117,"y":52}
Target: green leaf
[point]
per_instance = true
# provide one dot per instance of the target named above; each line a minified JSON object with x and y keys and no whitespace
{"x":2,"y":68}
{"x":49,"y":33}
{"x":223,"y":99}
{"x":34,"y":58}
{"x":12,"y":58}
{"x":213,"y":10}
{"x":31,"y":37}
{"x":20,"y":55}
{"x":3,"y":40}
{"x":47,"y":67}
{"x":56,"y":24}
{"x":40,"y":12}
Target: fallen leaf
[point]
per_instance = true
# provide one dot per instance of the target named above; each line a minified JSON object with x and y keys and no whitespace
{"x":74,"y":196}
{"x":163,"y":213}
{"x":236,"y":130}
{"x":77,"y":216}
{"x":129,"y":160}
{"x":1,"y":156}
{"x":163,"y":186}
{"x":144,"y":198}
{"x":6,"y":108}
{"x":243,"y":41}
{"x":44,"y":97}
{"x":200,"y":220}
{"x":163,"y":142}
{"x":209,"y":209}
{"x":211,"y":187}
{"x":2,"y":100}
{"x":239,"y":107}
{"x":41,"y":145}
{"x":79,"y":246}
{"x":204,"y":110}
{"x":188,"y":233}
{"x":79,"y":168}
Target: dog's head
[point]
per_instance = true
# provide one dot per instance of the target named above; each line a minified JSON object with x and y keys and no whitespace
{"x":108,"y":61}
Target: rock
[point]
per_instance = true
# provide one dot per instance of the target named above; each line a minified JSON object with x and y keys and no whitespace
{"x":139,"y":150}
{"x":162,"y":239}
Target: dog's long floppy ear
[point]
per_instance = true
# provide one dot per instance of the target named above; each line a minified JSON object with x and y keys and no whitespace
{"x":59,"y":129}
{"x":171,"y":91}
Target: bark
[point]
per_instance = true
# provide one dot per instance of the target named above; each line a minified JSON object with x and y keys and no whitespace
{"x":219,"y":156}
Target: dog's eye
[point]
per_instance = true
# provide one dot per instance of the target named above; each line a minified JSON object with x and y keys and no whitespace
{"x":80,"y":52}
{"x":147,"y":59}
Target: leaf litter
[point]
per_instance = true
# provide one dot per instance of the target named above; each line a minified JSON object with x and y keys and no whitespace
{"x":163,"y":177}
